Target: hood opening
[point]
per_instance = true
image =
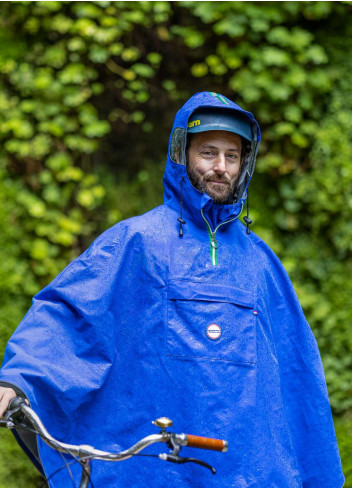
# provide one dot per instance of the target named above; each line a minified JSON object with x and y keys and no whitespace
{"x":177,"y":154}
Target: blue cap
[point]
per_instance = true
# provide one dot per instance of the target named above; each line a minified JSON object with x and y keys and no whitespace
{"x":214,"y":119}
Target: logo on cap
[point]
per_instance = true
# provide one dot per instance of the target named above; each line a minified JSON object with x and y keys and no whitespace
{"x":194,"y":123}
{"x":213,"y":331}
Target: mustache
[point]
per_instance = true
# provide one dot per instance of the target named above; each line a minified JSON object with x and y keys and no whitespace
{"x":216,"y":178}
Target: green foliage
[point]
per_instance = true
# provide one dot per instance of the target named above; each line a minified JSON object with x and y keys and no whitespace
{"x":88,"y":92}
{"x":16,"y":470}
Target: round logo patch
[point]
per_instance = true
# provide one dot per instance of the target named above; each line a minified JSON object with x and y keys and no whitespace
{"x":213,"y":331}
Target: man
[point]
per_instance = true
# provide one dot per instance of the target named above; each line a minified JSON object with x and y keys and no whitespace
{"x":182,"y":312}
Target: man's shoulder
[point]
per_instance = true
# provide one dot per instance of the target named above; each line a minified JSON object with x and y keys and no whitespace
{"x":147,"y":220}
{"x":127,"y":236}
{"x":261,"y":251}
{"x":138,"y":227}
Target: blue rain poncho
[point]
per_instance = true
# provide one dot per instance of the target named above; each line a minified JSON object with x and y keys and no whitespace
{"x":121,"y":337}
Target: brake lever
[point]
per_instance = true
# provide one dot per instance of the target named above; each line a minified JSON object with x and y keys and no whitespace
{"x":173,"y":444}
{"x":182,"y":460}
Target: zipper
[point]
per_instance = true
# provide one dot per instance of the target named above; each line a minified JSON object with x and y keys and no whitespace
{"x":214,"y":245}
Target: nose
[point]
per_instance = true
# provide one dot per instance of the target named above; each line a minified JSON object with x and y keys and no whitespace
{"x":220,"y":165}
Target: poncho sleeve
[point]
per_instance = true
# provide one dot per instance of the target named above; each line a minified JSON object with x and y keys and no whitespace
{"x":65,"y":345}
{"x":303,"y":387}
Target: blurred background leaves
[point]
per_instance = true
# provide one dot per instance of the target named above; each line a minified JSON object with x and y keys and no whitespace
{"x":88,"y":92}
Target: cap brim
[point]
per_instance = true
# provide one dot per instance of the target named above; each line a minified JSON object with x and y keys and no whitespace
{"x":219,"y":127}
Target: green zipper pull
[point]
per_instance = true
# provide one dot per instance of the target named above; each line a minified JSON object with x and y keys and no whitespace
{"x":214,"y":247}
{"x":213,"y":241}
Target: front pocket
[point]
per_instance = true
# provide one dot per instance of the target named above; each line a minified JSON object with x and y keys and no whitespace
{"x":210,"y":321}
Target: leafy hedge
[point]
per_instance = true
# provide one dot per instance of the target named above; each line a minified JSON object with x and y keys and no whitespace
{"x":88,"y":92}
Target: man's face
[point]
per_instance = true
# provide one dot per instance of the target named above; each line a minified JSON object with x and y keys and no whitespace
{"x":214,"y":163}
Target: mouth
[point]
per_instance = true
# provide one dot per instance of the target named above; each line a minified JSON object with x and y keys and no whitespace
{"x":215,"y":182}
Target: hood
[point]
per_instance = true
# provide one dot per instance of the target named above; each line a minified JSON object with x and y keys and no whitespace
{"x":179,"y":193}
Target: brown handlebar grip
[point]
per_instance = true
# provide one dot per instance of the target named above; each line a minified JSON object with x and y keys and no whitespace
{"x":207,"y":443}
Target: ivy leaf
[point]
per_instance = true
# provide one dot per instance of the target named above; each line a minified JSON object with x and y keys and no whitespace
{"x":143,"y":70}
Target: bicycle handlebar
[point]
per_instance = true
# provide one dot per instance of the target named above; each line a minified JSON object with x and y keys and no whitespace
{"x":18,"y":404}
{"x":83,"y":451}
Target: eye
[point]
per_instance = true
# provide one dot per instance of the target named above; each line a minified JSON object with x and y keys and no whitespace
{"x":207,"y":153}
{"x":233,"y":156}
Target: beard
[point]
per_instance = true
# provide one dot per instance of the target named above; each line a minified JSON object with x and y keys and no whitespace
{"x":221,"y":194}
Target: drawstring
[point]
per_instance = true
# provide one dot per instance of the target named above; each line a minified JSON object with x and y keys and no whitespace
{"x":246,"y":218}
{"x":180,"y":220}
